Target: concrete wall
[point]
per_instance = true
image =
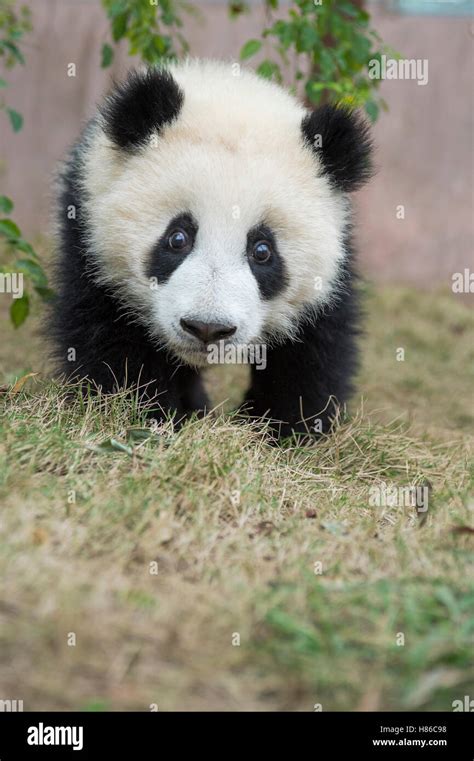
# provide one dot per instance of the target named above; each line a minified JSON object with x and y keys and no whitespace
{"x":424,"y":144}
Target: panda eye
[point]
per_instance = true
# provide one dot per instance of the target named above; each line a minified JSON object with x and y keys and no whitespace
{"x":179,"y":241}
{"x":262,"y":251}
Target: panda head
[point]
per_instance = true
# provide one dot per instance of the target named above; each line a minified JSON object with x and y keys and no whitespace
{"x":217,"y":205}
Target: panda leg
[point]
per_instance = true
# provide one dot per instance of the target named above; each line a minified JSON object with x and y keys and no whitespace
{"x":192,"y":392}
{"x":305,"y":381}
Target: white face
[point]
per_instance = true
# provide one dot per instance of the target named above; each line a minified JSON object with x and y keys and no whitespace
{"x":213,"y":284}
{"x":232,"y":175}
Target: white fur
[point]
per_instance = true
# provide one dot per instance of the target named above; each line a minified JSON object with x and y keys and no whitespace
{"x":235,"y":157}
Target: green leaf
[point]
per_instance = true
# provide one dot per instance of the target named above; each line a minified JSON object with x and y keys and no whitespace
{"x":308,"y":39}
{"x":317,"y":87}
{"x":107,"y":55}
{"x":115,"y":8}
{"x":269,"y":70}
{"x":119,"y":26}
{"x":13,"y":49}
{"x":19,"y":310}
{"x":6,"y":205}
{"x":236,"y":8}
{"x":160,"y":44}
{"x":47,"y":294}
{"x":16,"y":119}
{"x":139,"y":434}
{"x":372,"y":110}
{"x":349,"y":8}
{"x":9,"y":229}
{"x":123,"y":6}
{"x":33,"y":270}
{"x":328,"y":65}
{"x":119,"y":447}
{"x":3,"y":83}
{"x":113,"y":445}
{"x":250,"y":48}
{"x":27,"y":248}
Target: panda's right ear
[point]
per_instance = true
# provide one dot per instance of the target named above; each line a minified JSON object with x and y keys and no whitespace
{"x":341,"y":140}
{"x":143,"y":104}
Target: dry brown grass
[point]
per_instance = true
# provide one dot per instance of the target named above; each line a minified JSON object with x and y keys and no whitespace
{"x":236,"y":527}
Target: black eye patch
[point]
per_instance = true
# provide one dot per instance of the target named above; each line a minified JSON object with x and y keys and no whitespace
{"x":269,"y":271}
{"x":172,"y":248}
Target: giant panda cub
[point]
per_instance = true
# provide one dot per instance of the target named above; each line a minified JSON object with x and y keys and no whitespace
{"x":206,"y":206}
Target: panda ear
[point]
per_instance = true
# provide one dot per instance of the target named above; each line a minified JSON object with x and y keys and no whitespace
{"x":143,"y":104}
{"x":341,"y":139}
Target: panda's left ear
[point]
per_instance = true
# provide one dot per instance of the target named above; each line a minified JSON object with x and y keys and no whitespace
{"x":340,"y":138}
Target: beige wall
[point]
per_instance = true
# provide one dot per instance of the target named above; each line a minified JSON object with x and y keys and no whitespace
{"x":424,"y":143}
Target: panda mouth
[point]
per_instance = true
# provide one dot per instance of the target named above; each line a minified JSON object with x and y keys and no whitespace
{"x":193,"y":351}
{"x":191,"y":355}
{"x":190,"y":350}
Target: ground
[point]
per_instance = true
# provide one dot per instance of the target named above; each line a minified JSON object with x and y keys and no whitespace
{"x":209,"y":570}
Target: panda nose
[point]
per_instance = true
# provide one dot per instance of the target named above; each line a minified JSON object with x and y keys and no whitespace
{"x":208,"y":331}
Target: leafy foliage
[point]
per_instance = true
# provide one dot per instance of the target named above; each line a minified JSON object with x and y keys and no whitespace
{"x":21,"y":258}
{"x":19,"y":255}
{"x":329,"y":45}
{"x":151,"y":28}
{"x":325,"y":45}
{"x":13,"y":25}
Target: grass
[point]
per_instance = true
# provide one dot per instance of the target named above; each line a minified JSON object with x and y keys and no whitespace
{"x":207,"y":570}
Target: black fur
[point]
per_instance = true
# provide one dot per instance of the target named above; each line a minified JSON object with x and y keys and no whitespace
{"x":345,"y":150}
{"x":144,"y":103}
{"x":270,"y":276}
